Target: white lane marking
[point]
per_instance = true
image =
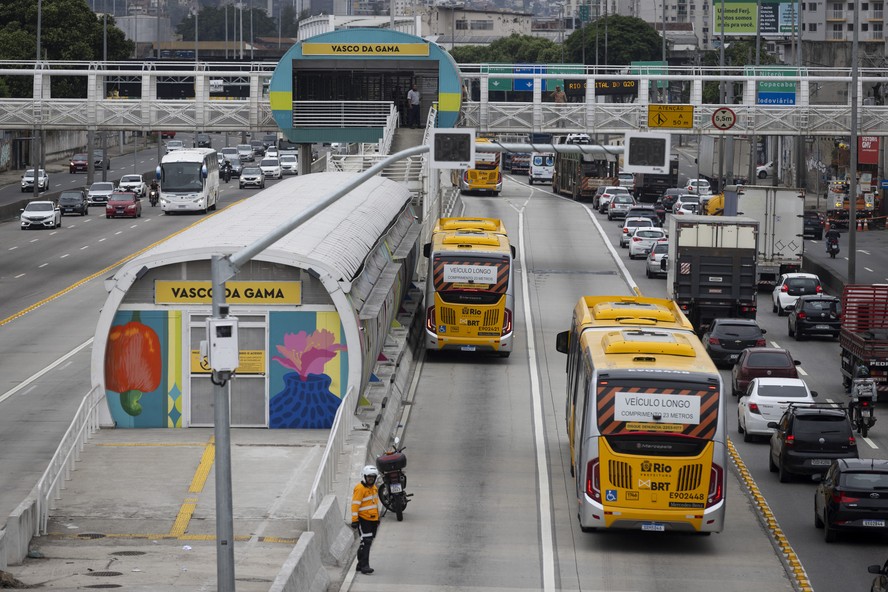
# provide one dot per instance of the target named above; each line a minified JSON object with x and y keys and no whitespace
{"x":801,"y":371}
{"x":134,"y":226}
{"x":545,"y":504}
{"x":65,"y":255}
{"x":34,"y":240}
{"x":13,"y":248}
{"x":43,"y":265}
{"x":49,"y":368}
{"x":19,"y":275}
{"x":868,"y":269}
{"x":872,"y":444}
{"x":862,"y":251}
{"x":102,"y":239}
{"x":84,"y":247}
{"x":118,"y":232}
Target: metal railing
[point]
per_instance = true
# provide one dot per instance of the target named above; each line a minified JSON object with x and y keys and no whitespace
{"x":343,"y":423}
{"x":50,"y":485}
{"x":313,"y":114}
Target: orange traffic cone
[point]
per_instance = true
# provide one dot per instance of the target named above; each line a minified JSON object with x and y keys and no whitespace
{"x":859,"y":225}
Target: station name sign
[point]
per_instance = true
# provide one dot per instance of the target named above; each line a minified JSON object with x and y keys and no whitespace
{"x":375,"y":49}
{"x":201,"y":292}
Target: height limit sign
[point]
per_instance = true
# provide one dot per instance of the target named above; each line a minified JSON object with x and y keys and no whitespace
{"x":723,"y":118}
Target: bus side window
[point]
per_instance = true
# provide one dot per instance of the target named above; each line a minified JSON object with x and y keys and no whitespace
{"x":562,"y":342}
{"x":427,"y":250}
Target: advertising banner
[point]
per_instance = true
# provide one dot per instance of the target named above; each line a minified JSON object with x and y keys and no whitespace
{"x":868,"y":150}
{"x":777,"y":17}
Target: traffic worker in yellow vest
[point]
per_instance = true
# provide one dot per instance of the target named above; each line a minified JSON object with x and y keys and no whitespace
{"x":365,"y":515}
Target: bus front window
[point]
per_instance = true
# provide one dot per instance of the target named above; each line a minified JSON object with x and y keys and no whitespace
{"x":181,"y":177}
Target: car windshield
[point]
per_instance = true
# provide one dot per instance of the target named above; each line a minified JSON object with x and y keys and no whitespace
{"x":768,"y":360}
{"x":287,"y":158}
{"x":79,"y":157}
{"x":689,"y":199}
{"x":175,"y":143}
{"x":123,"y":197}
{"x":638,"y":222}
{"x":802,"y":285}
{"x":181,"y":176}
{"x":648,"y":233}
{"x":244,"y":148}
{"x":782,"y":391}
{"x":816,"y":424}
{"x":102,"y":187}
{"x":229,"y":151}
{"x":30,"y":172}
{"x":622,"y":199}
{"x":661,"y":248}
{"x":75,"y":196}
{"x":131,"y":179}
{"x":742,"y":331}
{"x":269,"y":162}
{"x":817,"y":306}
{"x":42,"y":206}
{"x":252,"y":171}
{"x":864,"y":480}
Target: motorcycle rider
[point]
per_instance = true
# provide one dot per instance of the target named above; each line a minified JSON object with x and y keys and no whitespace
{"x":832,"y":236}
{"x":153,"y":192}
{"x":860,"y":371}
{"x":226,"y":171}
{"x":365,"y":515}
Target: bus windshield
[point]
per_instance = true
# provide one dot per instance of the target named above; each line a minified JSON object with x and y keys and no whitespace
{"x":181,"y":176}
{"x":487,"y":161}
{"x":454,"y":273}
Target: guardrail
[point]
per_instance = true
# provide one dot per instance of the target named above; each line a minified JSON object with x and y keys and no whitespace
{"x":312,"y":114}
{"x":84,"y":424}
{"x":342,"y":426}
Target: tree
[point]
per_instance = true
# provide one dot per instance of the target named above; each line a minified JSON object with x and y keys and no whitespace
{"x":69,"y":31}
{"x":740,"y":52}
{"x":211,"y":24}
{"x":514,"y":49}
{"x":628,"y":39}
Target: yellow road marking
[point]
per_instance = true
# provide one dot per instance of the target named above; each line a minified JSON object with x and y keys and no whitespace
{"x":203,"y":469}
{"x":186,"y":510}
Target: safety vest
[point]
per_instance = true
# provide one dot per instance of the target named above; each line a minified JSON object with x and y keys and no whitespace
{"x":365,"y":502}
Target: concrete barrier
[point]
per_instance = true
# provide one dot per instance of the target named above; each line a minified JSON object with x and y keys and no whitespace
{"x":303,"y":571}
{"x":20,"y":527}
{"x":336,"y":540}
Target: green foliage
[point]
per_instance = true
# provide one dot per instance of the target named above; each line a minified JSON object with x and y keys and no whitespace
{"x":211,"y":24}
{"x":621,"y":40}
{"x":515,"y":49}
{"x":740,"y":53}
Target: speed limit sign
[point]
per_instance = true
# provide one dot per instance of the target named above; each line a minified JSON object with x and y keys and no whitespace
{"x":723,"y":118}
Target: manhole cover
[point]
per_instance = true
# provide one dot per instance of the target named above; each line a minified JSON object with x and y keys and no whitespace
{"x":90,"y":535}
{"x":104,"y":586}
{"x":104,"y":574}
{"x":128,"y":553}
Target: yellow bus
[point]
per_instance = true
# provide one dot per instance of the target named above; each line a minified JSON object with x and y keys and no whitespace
{"x":645,"y":418}
{"x":486,"y":175}
{"x":469,"y":288}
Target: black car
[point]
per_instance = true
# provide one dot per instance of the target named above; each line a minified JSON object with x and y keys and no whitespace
{"x":813,"y":223}
{"x":73,"y":201}
{"x":727,"y":338}
{"x":815,"y":315}
{"x":853,"y":496}
{"x":236,"y":166}
{"x":644,"y":211}
{"x":808,"y":438}
{"x":203,"y":141}
{"x":258,"y":148}
{"x":670,"y":196}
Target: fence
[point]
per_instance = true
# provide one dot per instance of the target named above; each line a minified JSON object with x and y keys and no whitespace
{"x":342,"y":426}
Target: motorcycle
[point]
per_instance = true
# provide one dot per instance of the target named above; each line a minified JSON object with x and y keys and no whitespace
{"x":832,"y":247}
{"x":152,"y":197}
{"x":863,"y":398}
{"x":226,"y":174}
{"x":393,"y":490}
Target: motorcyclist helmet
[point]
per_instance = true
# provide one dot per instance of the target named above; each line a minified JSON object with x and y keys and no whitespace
{"x":370,"y":473}
{"x":862,"y":371}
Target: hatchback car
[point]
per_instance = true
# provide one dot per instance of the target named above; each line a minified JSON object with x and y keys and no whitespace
{"x":653,"y":265}
{"x":808,"y":438}
{"x":41,"y":214}
{"x":28,"y":181}
{"x":123,"y":204}
{"x":74,"y":201}
{"x":203,"y":141}
{"x":245,"y":153}
{"x":252,"y":176}
{"x":699,"y":187}
{"x":815,"y":315}
{"x":604,"y":194}
{"x":727,"y":338}
{"x":236,"y":166}
{"x":289,"y":164}
{"x":765,"y":401}
{"x":258,"y":148}
{"x":789,"y":287}
{"x":271,"y":168}
{"x":619,"y":205}
{"x":99,"y":192}
{"x":764,"y":171}
{"x":670,"y":196}
{"x":79,"y":163}
{"x":761,"y":361}
{"x":852,"y":496}
{"x":629,"y":226}
{"x":174,"y":145}
{"x":686,"y":204}
{"x":643,"y":240}
{"x":813,"y":223}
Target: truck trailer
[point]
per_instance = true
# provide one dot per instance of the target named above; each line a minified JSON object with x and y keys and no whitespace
{"x":863,"y":337}
{"x":779,"y":211}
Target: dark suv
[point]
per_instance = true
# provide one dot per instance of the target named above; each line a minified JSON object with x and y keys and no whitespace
{"x":815,"y":315}
{"x":813,"y":224}
{"x":727,"y":338}
{"x":73,"y":201}
{"x":645,"y":211}
{"x":203,"y":141}
{"x":808,"y":438}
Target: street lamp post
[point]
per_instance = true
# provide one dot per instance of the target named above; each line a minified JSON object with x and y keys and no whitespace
{"x":37,"y":148}
{"x":561,"y":35}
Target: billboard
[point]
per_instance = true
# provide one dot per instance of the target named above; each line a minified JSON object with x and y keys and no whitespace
{"x":777,"y":17}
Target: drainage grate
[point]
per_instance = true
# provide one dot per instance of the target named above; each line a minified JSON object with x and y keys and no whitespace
{"x":128,"y":553}
{"x":90,"y":535}
{"x":104,"y":586}
{"x":104,"y":574}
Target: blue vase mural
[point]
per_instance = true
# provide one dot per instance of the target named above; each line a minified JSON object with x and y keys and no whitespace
{"x":305,"y":400}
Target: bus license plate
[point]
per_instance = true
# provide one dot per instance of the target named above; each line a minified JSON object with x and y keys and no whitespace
{"x":653,"y":527}
{"x":820,"y":462}
{"x":467,"y":348}
{"x":821,"y":327}
{"x":395,"y":487}
{"x":876,"y":523}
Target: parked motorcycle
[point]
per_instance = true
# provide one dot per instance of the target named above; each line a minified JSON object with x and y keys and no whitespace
{"x":863,"y":398}
{"x":832,"y":247}
{"x":393,"y":490}
{"x":153,"y":197}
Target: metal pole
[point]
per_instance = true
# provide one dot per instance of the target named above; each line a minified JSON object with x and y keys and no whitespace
{"x":39,"y":27}
{"x":801,"y":177}
{"x":721,"y":98}
{"x":196,"y":11}
{"x":753,"y":139}
{"x":242,"y":29}
{"x":157,"y":27}
{"x":561,"y":33}
{"x":852,"y":197}
{"x":665,"y":61}
{"x":226,"y":31}
{"x":251,"y":30}
{"x":391,"y":15}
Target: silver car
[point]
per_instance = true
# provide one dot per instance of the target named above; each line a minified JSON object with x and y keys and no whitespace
{"x":99,"y":192}
{"x":619,"y":205}
{"x":28,"y":181}
{"x":245,"y":153}
{"x":653,"y":265}
{"x":252,"y":176}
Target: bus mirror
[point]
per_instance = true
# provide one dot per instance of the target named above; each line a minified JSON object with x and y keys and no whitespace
{"x":562,"y":342}
{"x":204,"y":172}
{"x":514,"y":253}
{"x":427,"y":250}
{"x":157,"y":173}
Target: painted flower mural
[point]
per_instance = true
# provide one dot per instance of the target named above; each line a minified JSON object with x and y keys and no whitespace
{"x":306,"y":400}
{"x":132,"y":363}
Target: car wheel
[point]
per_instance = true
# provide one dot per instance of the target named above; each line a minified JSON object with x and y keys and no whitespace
{"x":774,"y":307}
{"x":740,"y":429}
{"x":789,"y":329}
{"x":782,"y":474}
{"x":746,"y":436}
{"x":829,"y":534}
{"x":771,"y":466}
{"x":108,"y":216}
{"x":818,"y":236}
{"x":59,"y":225}
{"x":762,"y":175}
{"x":647,"y":273}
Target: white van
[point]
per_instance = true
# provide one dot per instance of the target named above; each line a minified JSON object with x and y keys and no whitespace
{"x":542,"y":165}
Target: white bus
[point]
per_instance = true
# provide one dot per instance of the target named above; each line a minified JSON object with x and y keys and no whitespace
{"x":189,"y":180}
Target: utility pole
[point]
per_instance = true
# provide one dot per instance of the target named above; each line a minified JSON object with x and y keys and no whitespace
{"x":721,"y":98}
{"x":852,"y":197}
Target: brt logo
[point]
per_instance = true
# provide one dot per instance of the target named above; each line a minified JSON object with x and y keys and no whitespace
{"x":653,"y":485}
{"x":649,"y":467}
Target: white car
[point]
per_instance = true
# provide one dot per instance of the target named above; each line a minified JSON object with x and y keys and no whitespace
{"x":289,"y":164}
{"x":653,"y":265}
{"x":629,"y":226}
{"x":271,"y":168}
{"x":699,"y":187}
{"x":542,"y":165}
{"x":686,"y":204}
{"x":765,"y":400}
{"x":789,"y":287}
{"x":271,"y":152}
{"x":763,"y":171}
{"x":173,"y":145}
{"x":604,"y":195}
{"x":28,"y":181}
{"x":133,"y":183}
{"x":627,"y":180}
{"x":41,"y":214}
{"x":229,"y":153}
{"x":99,"y":192}
{"x":643,"y":240}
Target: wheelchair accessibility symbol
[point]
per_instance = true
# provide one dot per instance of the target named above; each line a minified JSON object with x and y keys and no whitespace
{"x":610,"y":495}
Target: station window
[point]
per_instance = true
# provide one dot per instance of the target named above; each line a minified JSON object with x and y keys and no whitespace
{"x":462,"y":25}
{"x":482,"y":25}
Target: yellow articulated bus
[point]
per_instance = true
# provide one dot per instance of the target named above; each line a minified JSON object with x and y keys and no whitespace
{"x":469,"y":286}
{"x":645,"y":418}
{"x":485,"y":175}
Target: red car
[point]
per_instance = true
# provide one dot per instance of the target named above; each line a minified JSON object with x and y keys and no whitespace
{"x":79,"y":162}
{"x":757,"y":362}
{"x":123,"y":205}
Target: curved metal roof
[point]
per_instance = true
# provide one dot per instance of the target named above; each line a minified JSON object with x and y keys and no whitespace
{"x":337,"y":239}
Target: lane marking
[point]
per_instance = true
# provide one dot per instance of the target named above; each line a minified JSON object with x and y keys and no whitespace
{"x":46,"y":370}
{"x":34,"y":240}
{"x":13,"y":248}
{"x":203,"y":468}
{"x":868,"y":269}
{"x":84,"y":247}
{"x":42,"y":265}
{"x":102,"y":239}
{"x":19,"y":275}
{"x":65,"y":255}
